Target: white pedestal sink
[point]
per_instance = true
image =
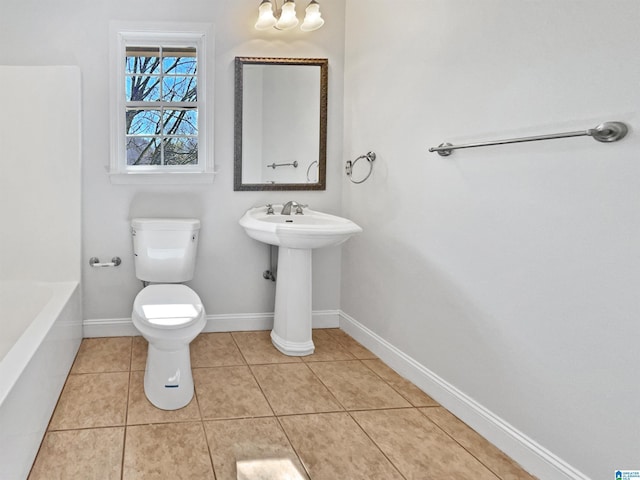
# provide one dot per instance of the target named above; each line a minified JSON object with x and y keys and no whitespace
{"x":295,"y":236}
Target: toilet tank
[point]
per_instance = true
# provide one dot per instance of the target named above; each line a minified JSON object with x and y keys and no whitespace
{"x":164,"y":249}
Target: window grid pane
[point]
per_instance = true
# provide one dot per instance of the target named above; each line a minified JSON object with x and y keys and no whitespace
{"x":180,"y":151}
{"x":143,"y":88}
{"x":179,"y":65}
{"x":179,"y":89}
{"x":143,"y":122}
{"x":143,"y":60}
{"x":161,"y":106}
{"x":162,"y":136}
{"x":144,"y":151}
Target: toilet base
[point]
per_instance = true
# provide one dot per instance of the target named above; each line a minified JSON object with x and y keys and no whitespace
{"x":168,"y":382}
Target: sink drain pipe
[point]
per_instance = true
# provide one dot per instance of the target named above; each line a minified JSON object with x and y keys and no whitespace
{"x":273,"y":261}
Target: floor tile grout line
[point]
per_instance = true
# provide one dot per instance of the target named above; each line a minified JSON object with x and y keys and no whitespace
{"x":223,"y":419}
{"x":78,"y":374}
{"x":499,"y":477}
{"x":126,"y":412}
{"x":309,"y":359}
{"x":321,"y":383}
{"x":255,"y":379}
{"x":343,"y":345}
{"x":195,"y":395}
{"x":233,"y":338}
{"x":156,"y":422}
{"x":395,"y":467}
{"x":293,"y":447}
{"x":344,"y":408}
{"x":206,"y":441}
{"x":376,"y":444}
{"x":383,"y":380}
{"x":233,"y":342}
{"x":79,"y":429}
{"x":247,"y":365}
{"x":393,"y":387}
{"x":126,"y":416}
{"x":124,"y":449}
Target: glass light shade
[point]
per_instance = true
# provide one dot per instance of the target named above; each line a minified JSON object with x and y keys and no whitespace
{"x":288,"y":17}
{"x":265,"y":16}
{"x":313,"y":18}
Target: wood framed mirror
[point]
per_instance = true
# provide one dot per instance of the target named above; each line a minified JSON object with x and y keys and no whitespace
{"x":280,"y":129}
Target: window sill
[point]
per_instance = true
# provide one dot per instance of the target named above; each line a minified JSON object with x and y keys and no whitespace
{"x":173,"y":178}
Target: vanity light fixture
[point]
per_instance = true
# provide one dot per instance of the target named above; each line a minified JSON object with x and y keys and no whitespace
{"x":285,"y":18}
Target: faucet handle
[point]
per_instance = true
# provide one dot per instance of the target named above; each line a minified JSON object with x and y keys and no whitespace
{"x":299,"y":208}
{"x":269,"y":209}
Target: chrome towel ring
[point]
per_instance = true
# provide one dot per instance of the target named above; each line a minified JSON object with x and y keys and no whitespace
{"x":370,"y":157}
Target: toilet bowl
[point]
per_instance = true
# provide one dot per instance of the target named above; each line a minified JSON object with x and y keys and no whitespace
{"x":169,"y":317}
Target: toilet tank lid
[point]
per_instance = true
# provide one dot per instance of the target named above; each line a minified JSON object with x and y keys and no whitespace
{"x":165,"y":223}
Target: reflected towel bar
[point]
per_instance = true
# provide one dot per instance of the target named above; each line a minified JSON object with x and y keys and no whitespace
{"x":274,"y":165}
{"x":605,"y":132}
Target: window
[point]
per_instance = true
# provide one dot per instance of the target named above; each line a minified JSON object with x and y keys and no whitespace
{"x":161,"y":106}
{"x":160,"y":109}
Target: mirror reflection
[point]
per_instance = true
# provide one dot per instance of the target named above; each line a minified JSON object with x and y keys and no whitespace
{"x":280,"y":124}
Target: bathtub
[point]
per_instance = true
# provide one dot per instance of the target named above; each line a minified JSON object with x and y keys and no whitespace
{"x":40,"y":333}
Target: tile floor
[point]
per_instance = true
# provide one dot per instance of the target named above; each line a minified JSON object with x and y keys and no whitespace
{"x":339,"y":414}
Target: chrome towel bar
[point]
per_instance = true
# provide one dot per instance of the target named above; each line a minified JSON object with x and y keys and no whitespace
{"x":95,"y":262}
{"x":605,"y":132}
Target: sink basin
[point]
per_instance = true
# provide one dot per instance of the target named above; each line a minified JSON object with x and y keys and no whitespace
{"x":295,"y":236}
{"x":309,"y":230}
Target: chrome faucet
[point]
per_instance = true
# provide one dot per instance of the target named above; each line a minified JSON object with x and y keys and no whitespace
{"x":286,"y":209}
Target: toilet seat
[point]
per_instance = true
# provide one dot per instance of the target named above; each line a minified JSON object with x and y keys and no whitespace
{"x":167,"y":306}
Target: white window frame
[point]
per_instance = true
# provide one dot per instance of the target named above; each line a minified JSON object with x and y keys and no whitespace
{"x":199,"y":35}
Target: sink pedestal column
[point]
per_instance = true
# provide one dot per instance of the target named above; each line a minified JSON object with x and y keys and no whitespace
{"x":291,"y":332}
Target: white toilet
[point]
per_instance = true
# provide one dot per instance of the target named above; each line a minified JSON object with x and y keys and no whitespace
{"x":169,"y":315}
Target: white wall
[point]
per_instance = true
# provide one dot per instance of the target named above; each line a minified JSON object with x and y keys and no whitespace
{"x":512,"y":272}
{"x":40,"y":179}
{"x":229,"y":274}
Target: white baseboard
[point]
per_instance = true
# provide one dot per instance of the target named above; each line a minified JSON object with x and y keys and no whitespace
{"x":533,"y":457}
{"x":233,"y":322}
{"x":108,"y":327}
